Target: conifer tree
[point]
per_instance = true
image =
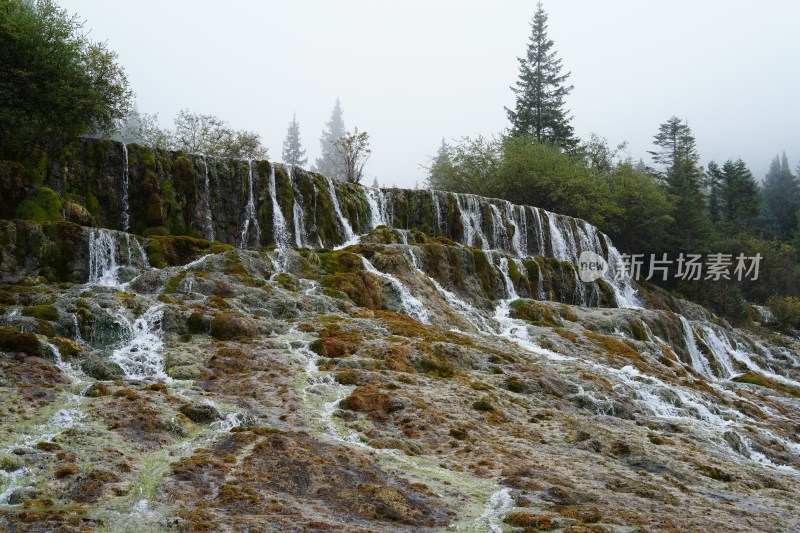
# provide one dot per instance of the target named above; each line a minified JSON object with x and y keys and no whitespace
{"x":540,"y":90}
{"x":293,"y":151}
{"x":733,"y":196}
{"x":683,"y":178}
{"x":781,"y":198}
{"x":329,"y":163}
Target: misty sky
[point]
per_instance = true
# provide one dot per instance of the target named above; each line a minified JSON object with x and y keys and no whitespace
{"x":413,"y":72}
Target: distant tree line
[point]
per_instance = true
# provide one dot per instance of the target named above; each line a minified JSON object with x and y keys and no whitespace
{"x":674,"y":206}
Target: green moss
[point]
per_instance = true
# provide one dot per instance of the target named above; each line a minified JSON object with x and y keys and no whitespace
{"x":13,"y":340}
{"x":763,"y":381}
{"x":638,"y":330}
{"x":172,"y":285}
{"x":42,"y":312}
{"x":534,"y":312}
{"x":485,"y":272}
{"x":286,"y":282}
{"x":42,"y":205}
{"x":232,"y":327}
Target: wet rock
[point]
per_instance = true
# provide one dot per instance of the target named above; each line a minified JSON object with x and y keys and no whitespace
{"x":21,"y":495}
{"x":232,"y":327}
{"x":200,"y":413}
{"x":184,"y":372}
{"x":101,"y":368}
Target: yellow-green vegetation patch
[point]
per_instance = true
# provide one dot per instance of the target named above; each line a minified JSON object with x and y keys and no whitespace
{"x":536,"y":313}
{"x":617,"y":348}
{"x":335,"y":341}
{"x":763,"y":381}
{"x":13,"y":340}
{"x":42,"y":312}
{"x":172,"y":285}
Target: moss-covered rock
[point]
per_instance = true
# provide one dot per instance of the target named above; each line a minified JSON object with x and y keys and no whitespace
{"x":232,"y":327}
{"x":42,"y":205}
{"x":42,"y":312}
{"x":13,"y":340}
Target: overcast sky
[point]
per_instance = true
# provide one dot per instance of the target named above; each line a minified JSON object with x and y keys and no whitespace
{"x":413,"y":72}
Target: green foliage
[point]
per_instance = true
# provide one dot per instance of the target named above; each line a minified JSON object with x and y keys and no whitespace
{"x":55,"y":82}
{"x":196,"y":133}
{"x":786,"y":310}
{"x":540,"y":90}
{"x":734,"y":197}
{"x":42,"y":205}
{"x":642,"y":211}
{"x":352,"y":151}
{"x":781,"y":198}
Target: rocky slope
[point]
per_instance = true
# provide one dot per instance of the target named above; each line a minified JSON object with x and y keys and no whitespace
{"x":445,"y":370}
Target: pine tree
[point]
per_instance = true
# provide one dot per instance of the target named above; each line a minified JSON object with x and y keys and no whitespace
{"x":781,"y":198}
{"x":733,"y":196}
{"x":683,"y":177}
{"x":328,"y":163}
{"x":293,"y":151}
{"x":540,"y":91}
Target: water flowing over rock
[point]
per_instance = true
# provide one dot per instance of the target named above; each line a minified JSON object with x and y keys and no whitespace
{"x":346,"y":358}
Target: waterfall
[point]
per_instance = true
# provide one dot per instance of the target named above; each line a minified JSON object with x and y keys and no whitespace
{"x":699,"y":362}
{"x":376,"y":201}
{"x":209,"y":229}
{"x":519,"y":241}
{"x":279,"y":230}
{"x":559,"y":246}
{"x":499,"y":231}
{"x":471,"y":219}
{"x":721,"y":347}
{"x":410,"y":304}
{"x":437,"y":211}
{"x":125,"y":219}
{"x":140,"y":356}
{"x":511,"y":291}
{"x":344,"y":224}
{"x":539,"y":230}
{"x":297,"y":213}
{"x":249,"y":212}
{"x":102,"y":259}
{"x":624,"y":291}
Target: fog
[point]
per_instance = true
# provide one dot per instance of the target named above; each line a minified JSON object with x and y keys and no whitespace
{"x":411,"y":73}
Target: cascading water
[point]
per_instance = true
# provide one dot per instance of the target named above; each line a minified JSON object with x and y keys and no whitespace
{"x":344,"y":224}
{"x":721,"y":347}
{"x":125,"y":218}
{"x":499,"y":232}
{"x":140,"y":356}
{"x":699,"y":362}
{"x":411,"y":305}
{"x":559,"y":246}
{"x":538,"y":227}
{"x":249,"y":212}
{"x":437,"y":211}
{"x":519,"y":241}
{"x":471,"y":219}
{"x":378,"y":215}
{"x":297,"y":213}
{"x":209,"y":229}
{"x":279,"y":230}
{"x":102,"y":259}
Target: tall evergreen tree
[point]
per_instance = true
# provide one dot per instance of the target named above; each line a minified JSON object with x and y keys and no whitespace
{"x":683,"y":177}
{"x":733,"y":196}
{"x":541,"y":89}
{"x":328,"y":163}
{"x":781,"y":199}
{"x":293,"y":151}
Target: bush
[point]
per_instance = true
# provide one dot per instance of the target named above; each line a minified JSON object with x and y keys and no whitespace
{"x":786,"y":310}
